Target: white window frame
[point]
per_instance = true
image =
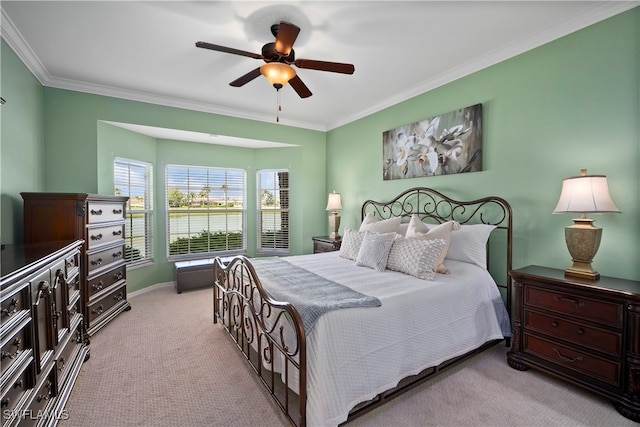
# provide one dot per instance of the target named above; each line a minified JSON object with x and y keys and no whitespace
{"x":203,"y":197}
{"x":280,"y":208}
{"x":134,"y":179}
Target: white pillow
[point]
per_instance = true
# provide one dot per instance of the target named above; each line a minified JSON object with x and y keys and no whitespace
{"x":371,"y":223}
{"x":469,"y":244}
{"x":419,"y":230}
{"x":416,"y":257}
{"x":374,"y":250}
{"x":351,"y":242}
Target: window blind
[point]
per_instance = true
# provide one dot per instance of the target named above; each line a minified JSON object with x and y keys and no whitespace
{"x":133,"y":179}
{"x":205,"y":210}
{"x":273,"y":211}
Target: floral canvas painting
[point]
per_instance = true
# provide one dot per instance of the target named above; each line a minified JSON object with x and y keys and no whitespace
{"x":443,"y":145}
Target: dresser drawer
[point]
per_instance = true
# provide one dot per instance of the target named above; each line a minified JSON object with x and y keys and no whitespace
{"x":104,"y":258}
{"x":102,"y":282}
{"x":67,"y":354}
{"x":597,"y":339}
{"x":12,"y":306}
{"x":606,"y":371}
{"x":36,"y":412}
{"x":604,"y":312}
{"x":103,"y":305}
{"x":14,"y":343}
{"x":72,"y":265}
{"x":104,"y":212}
{"x":98,"y":236}
{"x":15,"y":391}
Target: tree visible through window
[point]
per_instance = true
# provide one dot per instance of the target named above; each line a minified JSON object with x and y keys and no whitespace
{"x":133,"y":179}
{"x":273,"y":211}
{"x":205,"y":210}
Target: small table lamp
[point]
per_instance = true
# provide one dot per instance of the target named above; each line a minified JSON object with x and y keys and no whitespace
{"x":334,"y":205}
{"x":584,"y":194}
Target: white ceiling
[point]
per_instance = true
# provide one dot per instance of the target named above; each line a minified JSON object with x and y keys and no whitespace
{"x":145,"y":51}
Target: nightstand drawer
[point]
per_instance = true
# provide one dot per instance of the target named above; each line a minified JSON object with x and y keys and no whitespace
{"x":605,"y":312}
{"x":602,"y":369}
{"x":597,"y":339}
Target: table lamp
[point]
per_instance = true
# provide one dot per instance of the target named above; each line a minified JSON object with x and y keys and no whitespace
{"x":584,"y":194}
{"x":334,"y":205}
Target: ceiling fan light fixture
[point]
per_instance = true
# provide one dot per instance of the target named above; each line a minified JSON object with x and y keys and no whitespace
{"x":277,"y":73}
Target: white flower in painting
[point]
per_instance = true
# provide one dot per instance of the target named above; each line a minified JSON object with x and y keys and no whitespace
{"x":402,"y":149}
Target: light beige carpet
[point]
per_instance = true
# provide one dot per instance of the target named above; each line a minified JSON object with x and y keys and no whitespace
{"x":164,"y":363}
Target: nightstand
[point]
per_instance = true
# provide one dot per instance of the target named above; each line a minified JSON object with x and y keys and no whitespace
{"x":325,"y":244}
{"x":585,"y":332}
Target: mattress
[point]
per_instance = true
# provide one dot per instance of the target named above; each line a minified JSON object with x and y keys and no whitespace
{"x":356,"y":353}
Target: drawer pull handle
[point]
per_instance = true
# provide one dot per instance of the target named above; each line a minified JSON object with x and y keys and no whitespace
{"x":577,"y":303}
{"x":96,"y":212}
{"x":16,"y":342}
{"x":12,"y":309}
{"x":61,"y":363}
{"x":118,"y":275}
{"x":5,"y":402}
{"x":98,"y":310}
{"x":96,"y":237}
{"x":97,"y":286}
{"x":555,"y":324}
{"x":18,"y":384}
{"x":117,"y":254}
{"x":117,"y":211}
{"x":117,"y":233}
{"x":580,"y":331}
{"x":118,"y":297}
{"x":565,"y":358}
{"x":96,"y":261}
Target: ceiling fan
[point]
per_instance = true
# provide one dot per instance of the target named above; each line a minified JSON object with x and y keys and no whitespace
{"x":278,"y":57}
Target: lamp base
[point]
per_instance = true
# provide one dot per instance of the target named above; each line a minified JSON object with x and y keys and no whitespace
{"x":334,"y":225}
{"x":586,"y":273}
{"x":583,"y":241}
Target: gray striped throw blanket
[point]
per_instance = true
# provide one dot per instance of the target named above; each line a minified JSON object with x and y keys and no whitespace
{"x":310,"y":294}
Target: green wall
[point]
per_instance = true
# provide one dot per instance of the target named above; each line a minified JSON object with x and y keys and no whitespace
{"x":571,"y":104}
{"x":21,"y":141}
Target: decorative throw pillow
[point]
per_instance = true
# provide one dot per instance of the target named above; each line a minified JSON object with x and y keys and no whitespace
{"x":371,"y":223}
{"x":469,"y":244}
{"x":416,"y":257}
{"x":374,"y":250}
{"x":419,"y":230}
{"x":351,"y":242}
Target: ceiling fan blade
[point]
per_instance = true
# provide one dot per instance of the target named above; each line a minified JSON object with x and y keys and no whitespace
{"x":287,"y":35}
{"x":301,"y":89}
{"x":225,"y":49}
{"x":241,"y":81}
{"x":334,"y":67}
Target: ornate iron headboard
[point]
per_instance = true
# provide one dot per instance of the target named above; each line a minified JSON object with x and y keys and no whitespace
{"x":433,"y":206}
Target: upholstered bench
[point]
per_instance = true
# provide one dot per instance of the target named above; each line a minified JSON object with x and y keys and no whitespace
{"x":195,"y":274}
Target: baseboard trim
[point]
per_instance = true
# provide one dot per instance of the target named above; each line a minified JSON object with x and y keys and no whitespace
{"x":150,"y":288}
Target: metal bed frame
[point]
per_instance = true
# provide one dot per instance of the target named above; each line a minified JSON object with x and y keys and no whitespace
{"x":257,"y":323}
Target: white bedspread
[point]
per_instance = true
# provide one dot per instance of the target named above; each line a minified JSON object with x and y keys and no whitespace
{"x":354,"y":354}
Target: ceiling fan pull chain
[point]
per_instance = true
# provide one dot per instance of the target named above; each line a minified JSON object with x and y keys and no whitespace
{"x":278,"y":107}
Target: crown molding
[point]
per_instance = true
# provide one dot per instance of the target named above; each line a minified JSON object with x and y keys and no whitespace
{"x":17,"y":43}
{"x":578,"y":23}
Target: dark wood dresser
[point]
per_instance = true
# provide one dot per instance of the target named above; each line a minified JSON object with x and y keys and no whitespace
{"x":42,"y":333}
{"x":585,"y":332}
{"x":100,"y":222}
{"x":325,"y":244}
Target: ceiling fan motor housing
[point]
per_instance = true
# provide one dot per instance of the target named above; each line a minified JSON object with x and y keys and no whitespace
{"x":270,"y":55}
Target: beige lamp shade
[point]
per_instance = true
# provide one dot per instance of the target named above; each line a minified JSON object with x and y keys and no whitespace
{"x":585,"y":194}
{"x":334,"y":204}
